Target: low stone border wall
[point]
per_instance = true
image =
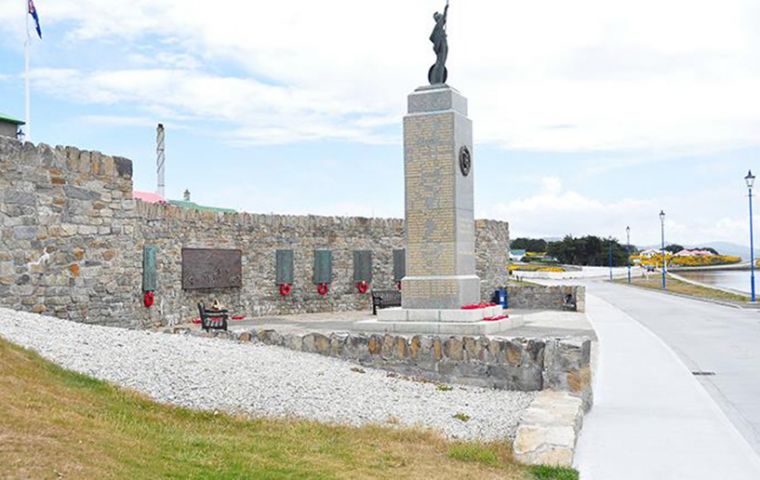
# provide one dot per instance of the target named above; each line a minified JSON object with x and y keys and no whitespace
{"x":549,"y":429}
{"x":518,"y":364}
{"x":538,"y":297}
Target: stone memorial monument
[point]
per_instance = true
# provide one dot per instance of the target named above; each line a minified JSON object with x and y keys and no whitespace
{"x":440,"y":224}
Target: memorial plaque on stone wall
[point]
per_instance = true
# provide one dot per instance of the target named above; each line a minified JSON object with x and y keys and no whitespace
{"x":322,"y":266}
{"x":399,"y":265}
{"x":363,"y":266}
{"x":207,"y":268}
{"x":150,"y":281}
{"x":284,"y":267}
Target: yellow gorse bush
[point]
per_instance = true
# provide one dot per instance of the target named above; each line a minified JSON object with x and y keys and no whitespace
{"x":533,"y":268}
{"x":653,"y":261}
{"x":704,"y":261}
{"x":691,"y":261}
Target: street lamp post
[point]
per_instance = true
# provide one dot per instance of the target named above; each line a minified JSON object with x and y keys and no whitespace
{"x":664,"y":262}
{"x":750,"y":179}
{"x":628,"y":251}
{"x":610,"y":259}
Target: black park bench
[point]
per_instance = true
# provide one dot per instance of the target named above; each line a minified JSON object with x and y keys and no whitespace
{"x":569,"y":304}
{"x":385,"y":299}
{"x":213,"y":319}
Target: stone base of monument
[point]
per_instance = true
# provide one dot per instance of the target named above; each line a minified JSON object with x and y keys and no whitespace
{"x":481,"y":321}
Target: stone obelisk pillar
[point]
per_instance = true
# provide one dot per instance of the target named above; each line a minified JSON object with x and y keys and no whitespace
{"x":440,"y":224}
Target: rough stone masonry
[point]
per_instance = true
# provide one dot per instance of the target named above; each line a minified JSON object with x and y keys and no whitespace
{"x":73,"y":236}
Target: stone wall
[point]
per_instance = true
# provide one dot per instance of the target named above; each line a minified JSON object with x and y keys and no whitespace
{"x":259,"y":236}
{"x":539,"y":297}
{"x":72,"y":242}
{"x":491,"y":257}
{"x":521,"y":364}
{"x":67,"y":226}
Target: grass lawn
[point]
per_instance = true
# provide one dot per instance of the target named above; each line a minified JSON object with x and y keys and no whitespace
{"x":58,"y":424}
{"x":677,"y":286}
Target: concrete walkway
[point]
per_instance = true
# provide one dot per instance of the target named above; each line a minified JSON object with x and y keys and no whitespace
{"x":707,"y":337}
{"x":651,"y":418}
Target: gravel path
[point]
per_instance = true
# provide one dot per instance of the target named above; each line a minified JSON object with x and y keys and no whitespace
{"x":261,"y":380}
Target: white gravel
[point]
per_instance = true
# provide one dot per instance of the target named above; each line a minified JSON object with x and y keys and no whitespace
{"x":261,"y":380}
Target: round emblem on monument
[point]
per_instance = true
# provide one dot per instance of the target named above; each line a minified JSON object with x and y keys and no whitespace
{"x":465,"y":160}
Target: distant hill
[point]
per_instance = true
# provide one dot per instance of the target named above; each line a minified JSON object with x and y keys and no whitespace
{"x":728,"y":248}
{"x":725,"y":248}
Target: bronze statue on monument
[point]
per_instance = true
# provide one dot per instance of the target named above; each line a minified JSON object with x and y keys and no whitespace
{"x":438,"y":73}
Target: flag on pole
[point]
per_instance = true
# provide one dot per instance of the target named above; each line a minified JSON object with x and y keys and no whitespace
{"x":33,"y":13}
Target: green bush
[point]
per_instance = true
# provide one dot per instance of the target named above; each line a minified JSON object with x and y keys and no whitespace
{"x":542,"y":472}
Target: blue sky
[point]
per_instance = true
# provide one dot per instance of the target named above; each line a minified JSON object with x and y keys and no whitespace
{"x":588,"y":117}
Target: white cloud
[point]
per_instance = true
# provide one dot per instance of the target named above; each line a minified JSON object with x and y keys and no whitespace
{"x":551,"y":75}
{"x":256,"y":112}
{"x":120,"y":121}
{"x":555,"y":211}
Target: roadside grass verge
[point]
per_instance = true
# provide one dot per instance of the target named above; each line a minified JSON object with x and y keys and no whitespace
{"x":55,"y":423}
{"x":654,"y":282}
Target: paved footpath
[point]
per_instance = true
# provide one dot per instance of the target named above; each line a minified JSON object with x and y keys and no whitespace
{"x":708,"y":338}
{"x":651,"y":418}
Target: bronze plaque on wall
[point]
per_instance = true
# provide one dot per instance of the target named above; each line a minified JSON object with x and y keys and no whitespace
{"x":207,"y":268}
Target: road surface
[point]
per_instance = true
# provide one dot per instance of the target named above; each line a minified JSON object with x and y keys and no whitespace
{"x":652,"y":418}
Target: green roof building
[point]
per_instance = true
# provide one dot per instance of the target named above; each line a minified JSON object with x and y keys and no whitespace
{"x":9,"y":126}
{"x":202,"y":208}
{"x":186,"y":203}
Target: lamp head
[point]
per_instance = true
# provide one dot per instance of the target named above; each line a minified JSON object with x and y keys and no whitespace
{"x":750,"y":179}
{"x":662,"y":215}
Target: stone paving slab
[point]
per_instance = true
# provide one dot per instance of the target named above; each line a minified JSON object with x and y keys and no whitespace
{"x":549,"y":429}
{"x":537,"y":323}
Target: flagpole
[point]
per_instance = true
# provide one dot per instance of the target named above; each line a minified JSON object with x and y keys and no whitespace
{"x":27,"y":102}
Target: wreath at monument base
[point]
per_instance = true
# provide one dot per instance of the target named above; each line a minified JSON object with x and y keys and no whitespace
{"x":149,"y":299}
{"x":362,"y":287}
{"x":323,"y":288}
{"x":285,"y":289}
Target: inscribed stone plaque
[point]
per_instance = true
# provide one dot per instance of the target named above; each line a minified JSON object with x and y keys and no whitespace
{"x":399,"y":265}
{"x":284,"y":266}
{"x":149,"y":269}
{"x":206,"y":268}
{"x":362,"y":266}
{"x":322,"y":266}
